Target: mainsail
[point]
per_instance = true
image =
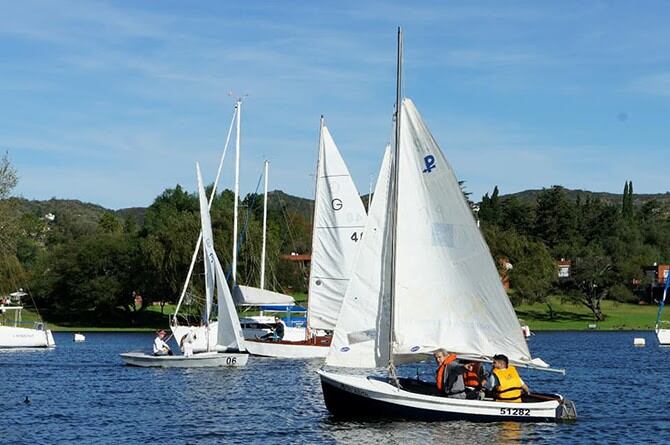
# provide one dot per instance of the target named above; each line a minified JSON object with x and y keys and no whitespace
{"x":229,"y":331}
{"x":339,"y":219}
{"x":448,"y":292}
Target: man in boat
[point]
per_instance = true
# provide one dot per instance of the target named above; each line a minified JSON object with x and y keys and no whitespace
{"x":277,"y":333}
{"x":450,"y":372}
{"x":160,"y":347}
{"x":505,"y":382}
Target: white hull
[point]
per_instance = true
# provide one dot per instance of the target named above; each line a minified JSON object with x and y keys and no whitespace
{"x":360,"y":396}
{"x":663,"y":336}
{"x":15,"y":337}
{"x":258,"y":326}
{"x":285,"y":350}
{"x":201,"y":360}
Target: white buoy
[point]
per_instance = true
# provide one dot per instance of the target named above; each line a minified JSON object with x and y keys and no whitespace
{"x":639,"y":341}
{"x":79,"y":338}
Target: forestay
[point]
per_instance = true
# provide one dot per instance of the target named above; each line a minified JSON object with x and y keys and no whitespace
{"x":339,"y":218}
{"x":448,"y":291}
{"x":355,"y":341}
{"x":229,"y":331}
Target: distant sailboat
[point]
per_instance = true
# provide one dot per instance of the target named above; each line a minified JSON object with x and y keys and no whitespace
{"x":424,"y":280}
{"x":216,"y":342}
{"x":663,"y":334}
{"x":339,"y":219}
{"x":14,"y":333}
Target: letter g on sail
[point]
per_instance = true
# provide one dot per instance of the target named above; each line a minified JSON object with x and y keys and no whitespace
{"x":429,"y":161}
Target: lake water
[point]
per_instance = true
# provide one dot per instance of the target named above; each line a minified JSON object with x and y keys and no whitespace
{"x":81,"y":393}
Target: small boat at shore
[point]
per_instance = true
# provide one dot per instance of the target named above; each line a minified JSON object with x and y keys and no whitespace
{"x":216,"y":342}
{"x":15,"y":333}
{"x":424,"y":280}
{"x":663,"y":334}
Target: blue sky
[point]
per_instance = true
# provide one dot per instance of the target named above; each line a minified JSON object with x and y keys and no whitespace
{"x":113,"y":102}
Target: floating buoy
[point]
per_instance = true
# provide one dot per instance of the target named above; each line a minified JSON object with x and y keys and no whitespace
{"x":79,"y":338}
{"x":592,"y":326}
{"x":639,"y":341}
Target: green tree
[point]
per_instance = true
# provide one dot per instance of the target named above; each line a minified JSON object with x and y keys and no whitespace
{"x":556,"y":222}
{"x":592,"y":278}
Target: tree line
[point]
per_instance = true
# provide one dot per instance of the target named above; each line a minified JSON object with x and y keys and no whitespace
{"x":608,"y":245}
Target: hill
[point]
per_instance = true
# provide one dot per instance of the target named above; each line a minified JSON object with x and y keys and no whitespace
{"x":530,"y":196}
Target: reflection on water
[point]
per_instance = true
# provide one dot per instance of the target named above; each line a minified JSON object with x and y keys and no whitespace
{"x":81,"y":393}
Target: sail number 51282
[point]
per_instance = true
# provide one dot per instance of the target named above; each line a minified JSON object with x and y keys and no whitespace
{"x":515,"y":411}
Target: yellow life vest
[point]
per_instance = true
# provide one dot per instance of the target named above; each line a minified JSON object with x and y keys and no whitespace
{"x":509,"y":385}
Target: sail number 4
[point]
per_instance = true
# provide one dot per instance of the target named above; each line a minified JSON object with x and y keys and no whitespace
{"x":515,"y":411}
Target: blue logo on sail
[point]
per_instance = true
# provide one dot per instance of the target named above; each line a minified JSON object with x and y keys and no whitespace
{"x":344,"y":349}
{"x":415,"y":348}
{"x":429,"y":160}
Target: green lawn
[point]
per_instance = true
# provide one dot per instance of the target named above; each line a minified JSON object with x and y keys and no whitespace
{"x":568,"y":316}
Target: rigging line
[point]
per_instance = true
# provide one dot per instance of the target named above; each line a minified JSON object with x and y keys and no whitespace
{"x":241,"y":237}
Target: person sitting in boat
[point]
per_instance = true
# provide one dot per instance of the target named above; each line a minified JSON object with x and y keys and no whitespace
{"x":474,"y":380}
{"x":277,"y":333}
{"x":449,"y":378}
{"x":505,"y":382}
{"x":160,"y":347}
{"x":187,"y":343}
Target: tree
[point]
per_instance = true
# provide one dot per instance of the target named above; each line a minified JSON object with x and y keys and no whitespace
{"x":556,"y":222}
{"x":627,"y":201}
{"x":8,"y":177}
{"x":592,"y":278}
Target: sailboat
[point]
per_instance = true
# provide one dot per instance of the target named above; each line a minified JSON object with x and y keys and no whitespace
{"x":424,"y":280}
{"x":663,"y":334}
{"x":217,"y":342}
{"x":339,"y":219}
{"x":14,"y":333}
{"x":260,"y":297}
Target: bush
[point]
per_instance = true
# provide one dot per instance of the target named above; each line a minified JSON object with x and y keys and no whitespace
{"x":622,"y":294}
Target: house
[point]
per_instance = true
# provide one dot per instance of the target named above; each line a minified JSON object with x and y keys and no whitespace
{"x":564,"y":267}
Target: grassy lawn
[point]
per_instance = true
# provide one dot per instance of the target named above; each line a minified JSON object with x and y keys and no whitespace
{"x":568,"y":316}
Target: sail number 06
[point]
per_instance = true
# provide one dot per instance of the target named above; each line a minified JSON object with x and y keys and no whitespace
{"x":231,"y":360}
{"x":515,"y":411}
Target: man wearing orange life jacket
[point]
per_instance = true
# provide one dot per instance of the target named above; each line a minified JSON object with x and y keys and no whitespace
{"x":505,"y":381}
{"x":449,"y":378}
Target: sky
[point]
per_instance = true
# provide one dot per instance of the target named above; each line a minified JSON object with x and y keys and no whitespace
{"x":112,"y":102}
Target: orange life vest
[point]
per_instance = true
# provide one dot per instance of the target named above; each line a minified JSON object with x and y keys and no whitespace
{"x":439,"y":379}
{"x":509,"y":385}
{"x":471,"y":378}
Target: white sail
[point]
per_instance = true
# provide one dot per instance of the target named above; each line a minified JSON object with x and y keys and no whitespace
{"x":355,"y":341}
{"x":339,"y":219}
{"x":229,"y":331}
{"x":448,"y":292}
{"x":254,"y":296}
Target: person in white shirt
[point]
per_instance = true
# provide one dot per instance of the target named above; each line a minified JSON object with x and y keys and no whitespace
{"x":187,"y":343}
{"x":160,"y":347}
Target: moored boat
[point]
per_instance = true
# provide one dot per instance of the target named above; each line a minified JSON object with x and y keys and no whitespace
{"x":663,"y":334}
{"x":15,"y":333}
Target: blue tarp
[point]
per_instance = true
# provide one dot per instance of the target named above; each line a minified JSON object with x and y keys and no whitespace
{"x":269,"y":308}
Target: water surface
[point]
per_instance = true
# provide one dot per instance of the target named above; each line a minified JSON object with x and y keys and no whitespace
{"x":81,"y":393}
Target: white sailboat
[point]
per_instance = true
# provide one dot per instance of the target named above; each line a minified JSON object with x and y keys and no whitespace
{"x":13,"y":331}
{"x":424,"y":280}
{"x":663,"y":334}
{"x":339,"y":219}
{"x":216,"y":343}
{"x":260,"y":297}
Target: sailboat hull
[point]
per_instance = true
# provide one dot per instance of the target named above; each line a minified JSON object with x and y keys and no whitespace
{"x":363,"y":397}
{"x":289,"y":349}
{"x":202,"y":360}
{"x":16,"y":337}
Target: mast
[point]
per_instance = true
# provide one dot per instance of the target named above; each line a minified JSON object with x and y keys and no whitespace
{"x":316,"y":197}
{"x":237,"y":189}
{"x":265,"y":224}
{"x":211,"y":199}
{"x":394,"y":205}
